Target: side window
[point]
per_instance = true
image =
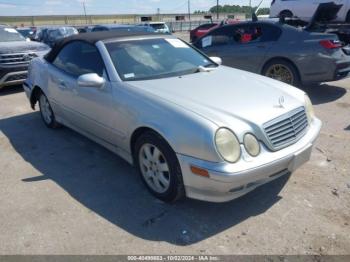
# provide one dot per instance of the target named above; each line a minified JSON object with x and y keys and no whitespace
{"x":270,"y":33}
{"x":205,"y":26}
{"x":256,"y":33}
{"x":79,"y":58}
{"x":219,"y":37}
{"x":248,"y":34}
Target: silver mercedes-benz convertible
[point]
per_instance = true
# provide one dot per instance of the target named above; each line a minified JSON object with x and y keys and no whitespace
{"x":191,"y":126}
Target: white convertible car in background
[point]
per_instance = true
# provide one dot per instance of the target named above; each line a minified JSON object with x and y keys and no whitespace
{"x":192,"y":127}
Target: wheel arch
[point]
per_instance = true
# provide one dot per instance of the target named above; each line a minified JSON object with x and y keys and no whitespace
{"x":280,"y":58}
{"x":138,"y":132}
{"x":347,"y":18}
{"x":34,"y":97}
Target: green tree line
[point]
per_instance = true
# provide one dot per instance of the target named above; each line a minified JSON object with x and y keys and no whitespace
{"x":238,"y":9}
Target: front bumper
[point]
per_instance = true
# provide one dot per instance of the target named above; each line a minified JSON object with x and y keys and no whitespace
{"x":230,"y":181}
{"x":342,"y":71}
{"x":330,"y":67}
{"x":12,"y":74}
{"x":13,"y":78}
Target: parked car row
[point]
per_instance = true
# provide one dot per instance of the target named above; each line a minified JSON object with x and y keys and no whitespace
{"x":123,"y":28}
{"x":15,"y":44}
{"x":230,"y":130}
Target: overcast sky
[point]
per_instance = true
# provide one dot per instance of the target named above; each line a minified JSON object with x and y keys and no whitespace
{"x":57,"y":7}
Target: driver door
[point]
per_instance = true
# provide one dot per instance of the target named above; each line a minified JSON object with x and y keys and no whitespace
{"x":86,"y":108}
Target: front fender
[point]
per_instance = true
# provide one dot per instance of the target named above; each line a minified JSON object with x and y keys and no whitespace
{"x":185,"y":131}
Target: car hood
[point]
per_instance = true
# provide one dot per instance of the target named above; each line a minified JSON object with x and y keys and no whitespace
{"x":225,"y":94}
{"x":22,"y":46}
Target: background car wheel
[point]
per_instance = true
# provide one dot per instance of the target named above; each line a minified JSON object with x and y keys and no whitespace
{"x":283,"y":71}
{"x":286,"y":14}
{"x":159,"y":167}
{"x":46,"y":112}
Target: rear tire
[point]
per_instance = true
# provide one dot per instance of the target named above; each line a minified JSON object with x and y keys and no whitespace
{"x":46,"y":112}
{"x":286,"y":14}
{"x":282,"y":70}
{"x":159,"y":168}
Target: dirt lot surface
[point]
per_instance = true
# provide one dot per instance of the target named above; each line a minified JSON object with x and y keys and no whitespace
{"x":63,"y":194}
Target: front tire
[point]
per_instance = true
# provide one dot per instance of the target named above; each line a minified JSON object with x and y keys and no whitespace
{"x":46,"y":112}
{"x":282,"y":70}
{"x":159,"y":167}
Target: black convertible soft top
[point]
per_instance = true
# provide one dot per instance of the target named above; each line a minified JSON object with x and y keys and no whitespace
{"x":92,"y":38}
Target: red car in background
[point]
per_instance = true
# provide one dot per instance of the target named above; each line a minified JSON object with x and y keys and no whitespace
{"x":206,"y":28}
{"x":201,"y":30}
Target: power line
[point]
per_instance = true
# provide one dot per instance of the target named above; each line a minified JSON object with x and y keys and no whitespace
{"x":85,"y":12}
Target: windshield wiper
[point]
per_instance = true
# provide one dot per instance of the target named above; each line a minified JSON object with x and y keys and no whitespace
{"x":212,"y":65}
{"x":206,"y":68}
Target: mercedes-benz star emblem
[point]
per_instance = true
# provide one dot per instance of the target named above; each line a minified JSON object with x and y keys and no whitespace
{"x":280,"y":102}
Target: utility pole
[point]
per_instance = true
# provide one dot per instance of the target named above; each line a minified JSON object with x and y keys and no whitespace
{"x":86,"y":20}
{"x":189,"y":13}
{"x":158,"y":13}
{"x":217,"y":9}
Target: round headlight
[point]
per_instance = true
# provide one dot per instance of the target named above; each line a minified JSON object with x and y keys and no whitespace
{"x":227,"y":145}
{"x":309,"y":108}
{"x":252,"y":145}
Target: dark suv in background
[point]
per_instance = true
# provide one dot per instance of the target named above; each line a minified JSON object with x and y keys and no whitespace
{"x":15,"y":54}
{"x":53,"y":34}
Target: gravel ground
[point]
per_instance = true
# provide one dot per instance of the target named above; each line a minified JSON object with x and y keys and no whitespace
{"x":63,"y":194}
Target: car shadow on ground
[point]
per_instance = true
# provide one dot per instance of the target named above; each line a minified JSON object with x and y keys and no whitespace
{"x":9,"y":90}
{"x":111,"y":188}
{"x":324,"y":92}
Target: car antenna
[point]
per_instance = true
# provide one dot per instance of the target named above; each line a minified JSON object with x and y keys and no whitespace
{"x":254,"y":17}
{"x":254,"y":12}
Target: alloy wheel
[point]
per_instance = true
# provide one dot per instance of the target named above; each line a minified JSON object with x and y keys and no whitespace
{"x":280,"y":72}
{"x":45,"y":109}
{"x":154,"y":168}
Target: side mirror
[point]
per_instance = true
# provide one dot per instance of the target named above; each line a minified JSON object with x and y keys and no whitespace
{"x":216,"y":60}
{"x":91,"y":80}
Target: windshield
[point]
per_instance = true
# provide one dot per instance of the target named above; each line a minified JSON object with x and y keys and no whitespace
{"x":10,"y":35}
{"x":155,"y":58}
{"x":26,"y":32}
{"x":158,"y":26}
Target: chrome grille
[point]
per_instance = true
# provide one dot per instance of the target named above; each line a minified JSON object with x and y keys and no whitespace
{"x":287,"y":129}
{"x":13,"y":59}
{"x":16,"y":77}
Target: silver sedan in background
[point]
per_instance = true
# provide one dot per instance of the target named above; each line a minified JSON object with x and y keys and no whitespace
{"x":191,"y":126}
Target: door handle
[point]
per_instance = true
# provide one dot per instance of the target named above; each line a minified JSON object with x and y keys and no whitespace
{"x":261,"y":46}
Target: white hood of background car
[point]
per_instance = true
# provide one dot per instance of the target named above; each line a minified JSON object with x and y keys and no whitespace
{"x":224,"y":93}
